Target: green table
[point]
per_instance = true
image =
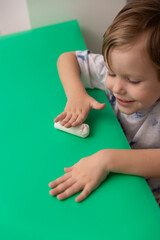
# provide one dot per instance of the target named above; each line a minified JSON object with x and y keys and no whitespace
{"x":33,"y":153}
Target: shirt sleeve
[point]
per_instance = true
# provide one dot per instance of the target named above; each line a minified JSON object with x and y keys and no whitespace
{"x":93,"y":70}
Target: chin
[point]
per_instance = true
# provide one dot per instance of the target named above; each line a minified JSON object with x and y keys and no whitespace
{"x":127,"y":111}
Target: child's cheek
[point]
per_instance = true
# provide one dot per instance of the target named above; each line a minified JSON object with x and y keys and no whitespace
{"x":108,"y":83}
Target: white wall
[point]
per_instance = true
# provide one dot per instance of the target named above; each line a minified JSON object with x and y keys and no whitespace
{"x":13,"y":16}
{"x":94,"y":16}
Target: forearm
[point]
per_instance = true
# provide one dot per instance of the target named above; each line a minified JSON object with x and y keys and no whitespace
{"x":145,"y":162}
{"x":69,"y":72}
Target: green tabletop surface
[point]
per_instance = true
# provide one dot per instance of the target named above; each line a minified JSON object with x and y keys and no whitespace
{"x":33,"y":152}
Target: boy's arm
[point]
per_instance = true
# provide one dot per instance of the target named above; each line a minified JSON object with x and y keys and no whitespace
{"x":69,"y":72}
{"x":79,"y":103}
{"x":90,"y":172}
{"x":143,"y":162}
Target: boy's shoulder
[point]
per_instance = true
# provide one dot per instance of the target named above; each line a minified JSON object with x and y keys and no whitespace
{"x":154,"y":112}
{"x":88,"y":55}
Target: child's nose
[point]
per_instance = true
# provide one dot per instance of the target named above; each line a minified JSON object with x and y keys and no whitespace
{"x":119,"y":86}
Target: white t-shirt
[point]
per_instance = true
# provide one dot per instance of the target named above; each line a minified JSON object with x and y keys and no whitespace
{"x":142,"y":129}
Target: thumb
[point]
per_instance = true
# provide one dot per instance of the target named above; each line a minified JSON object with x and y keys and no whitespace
{"x":97,"y":105}
{"x":68,"y":169}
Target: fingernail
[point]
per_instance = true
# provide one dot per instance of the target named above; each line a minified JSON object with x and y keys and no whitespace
{"x":59,"y":197}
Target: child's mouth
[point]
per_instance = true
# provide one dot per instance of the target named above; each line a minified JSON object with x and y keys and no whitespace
{"x":124,"y":102}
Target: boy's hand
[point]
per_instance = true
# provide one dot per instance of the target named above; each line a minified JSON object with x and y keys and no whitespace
{"x":86,"y":175}
{"x":77,"y":109}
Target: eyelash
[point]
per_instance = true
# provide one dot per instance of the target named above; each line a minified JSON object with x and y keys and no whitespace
{"x":113,"y":75}
{"x":134,"y":82}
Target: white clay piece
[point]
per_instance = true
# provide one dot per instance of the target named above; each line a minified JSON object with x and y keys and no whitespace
{"x":80,"y":130}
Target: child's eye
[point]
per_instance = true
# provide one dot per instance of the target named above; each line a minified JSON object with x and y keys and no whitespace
{"x":134,"y":81}
{"x":111,"y":74}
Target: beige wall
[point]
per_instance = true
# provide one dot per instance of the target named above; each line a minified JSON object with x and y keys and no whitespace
{"x":94,"y":16}
{"x":13,"y":16}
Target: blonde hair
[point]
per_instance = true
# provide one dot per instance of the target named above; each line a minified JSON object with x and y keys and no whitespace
{"x":135,"y":18}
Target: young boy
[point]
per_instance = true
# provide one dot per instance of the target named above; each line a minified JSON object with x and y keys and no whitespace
{"x":129,"y":73}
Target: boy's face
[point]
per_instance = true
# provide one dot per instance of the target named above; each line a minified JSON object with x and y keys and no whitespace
{"x":134,"y":81}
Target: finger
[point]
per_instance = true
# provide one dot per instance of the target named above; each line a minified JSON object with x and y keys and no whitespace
{"x":98,"y":105}
{"x":79,"y":120}
{"x":68,"y":169}
{"x":66,"y":119}
{"x":73,"y":119}
{"x":84,"y":194}
{"x":62,"y":187}
{"x":70,"y":191}
{"x":60,"y":117}
{"x":59,"y":180}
